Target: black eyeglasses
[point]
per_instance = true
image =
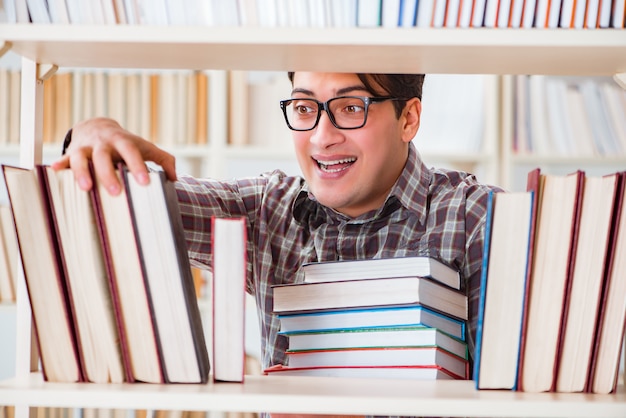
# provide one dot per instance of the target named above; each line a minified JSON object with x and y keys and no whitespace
{"x":344,"y":112}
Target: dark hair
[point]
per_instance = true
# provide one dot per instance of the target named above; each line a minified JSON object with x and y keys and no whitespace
{"x":396,"y":85}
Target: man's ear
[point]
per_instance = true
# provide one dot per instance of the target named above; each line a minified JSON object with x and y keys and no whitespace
{"x":411,"y":115}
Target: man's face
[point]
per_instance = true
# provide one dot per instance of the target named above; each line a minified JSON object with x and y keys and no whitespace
{"x":352,"y":171}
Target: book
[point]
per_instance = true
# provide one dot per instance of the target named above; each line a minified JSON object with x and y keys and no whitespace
{"x":604,"y":368}
{"x":380,"y":268}
{"x":502,"y":291}
{"x":228,"y":297}
{"x":167,"y":271}
{"x":583,"y":301}
{"x":367,"y":372}
{"x":380,"y":357}
{"x":45,"y":281}
{"x":372,"y":317}
{"x":557,"y":218}
{"x":137,"y":331}
{"x":376,"y":337}
{"x":8,"y":255}
{"x":368,"y":293}
{"x":82,"y":260}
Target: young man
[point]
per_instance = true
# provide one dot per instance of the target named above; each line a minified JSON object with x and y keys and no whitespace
{"x":365,"y":191}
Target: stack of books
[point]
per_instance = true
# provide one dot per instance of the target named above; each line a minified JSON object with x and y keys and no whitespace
{"x":377,"y":318}
{"x":552,"y":312}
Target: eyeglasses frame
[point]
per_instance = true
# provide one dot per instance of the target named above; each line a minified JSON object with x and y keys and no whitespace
{"x":324,"y":106}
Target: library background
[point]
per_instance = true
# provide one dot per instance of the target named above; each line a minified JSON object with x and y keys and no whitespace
{"x":510,"y":86}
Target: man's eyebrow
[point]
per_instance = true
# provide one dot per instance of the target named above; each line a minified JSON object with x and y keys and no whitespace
{"x":342,"y":91}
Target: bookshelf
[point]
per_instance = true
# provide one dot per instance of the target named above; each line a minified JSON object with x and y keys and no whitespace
{"x":477,"y":51}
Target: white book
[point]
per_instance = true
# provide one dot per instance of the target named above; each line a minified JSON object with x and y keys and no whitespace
{"x":58,"y":11}
{"x":465,"y":13}
{"x":368,"y":13}
{"x":9,"y":14}
{"x":615,"y":108}
{"x":517,"y":9}
{"x":478,"y":15}
{"x":176,"y":12}
{"x":503,"y":13}
{"x":591,"y":15}
{"x":409,"y":13}
{"x":604,"y":17}
{"x":390,"y":13}
{"x":559,"y":127}
{"x":618,"y":14}
{"x":38,"y":10}
{"x":579,"y":14}
{"x":567,"y":13}
{"x":439,"y":14}
{"x":452,"y":13}
{"x":425,"y":10}
{"x":491,"y":14}
{"x":541,"y":14}
{"x":554,"y":13}
{"x":528,"y":17}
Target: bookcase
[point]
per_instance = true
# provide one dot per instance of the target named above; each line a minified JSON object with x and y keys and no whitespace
{"x":475,"y":51}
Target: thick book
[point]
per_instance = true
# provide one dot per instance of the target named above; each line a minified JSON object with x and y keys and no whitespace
{"x":372,"y":317}
{"x":554,"y":246}
{"x":167,"y":272}
{"x":228,"y":298}
{"x":372,"y":337}
{"x":367,"y":372}
{"x":585,"y":290}
{"x":378,"y":268}
{"x":381,"y":357}
{"x":45,"y":281}
{"x":604,"y":368}
{"x":368,"y":293}
{"x":137,"y":331}
{"x":82,"y":260}
{"x":503,"y":289}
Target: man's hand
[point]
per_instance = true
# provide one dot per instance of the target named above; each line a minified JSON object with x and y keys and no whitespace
{"x":106,"y":143}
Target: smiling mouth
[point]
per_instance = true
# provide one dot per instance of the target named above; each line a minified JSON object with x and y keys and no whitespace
{"x":335,"y":166}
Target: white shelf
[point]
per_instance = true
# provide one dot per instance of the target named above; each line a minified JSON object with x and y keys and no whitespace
{"x":427,"y":50}
{"x":317,"y":395}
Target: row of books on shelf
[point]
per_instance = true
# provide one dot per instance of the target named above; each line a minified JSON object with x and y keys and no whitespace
{"x":326,"y":13}
{"x":569,"y":116}
{"x":169,"y":107}
{"x":112,"y":296}
{"x":58,"y":412}
{"x":552,"y":312}
{"x":380,"y":318}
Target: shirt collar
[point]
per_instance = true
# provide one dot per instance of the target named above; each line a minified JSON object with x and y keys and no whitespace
{"x":411,"y":190}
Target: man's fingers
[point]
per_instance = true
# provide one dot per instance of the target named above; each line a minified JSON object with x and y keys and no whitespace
{"x":79,"y":162}
{"x":104,"y":168}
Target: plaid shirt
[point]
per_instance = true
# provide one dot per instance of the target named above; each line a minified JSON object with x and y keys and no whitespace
{"x":433,"y":212}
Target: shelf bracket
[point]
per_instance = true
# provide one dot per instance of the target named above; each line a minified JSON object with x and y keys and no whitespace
{"x":4,"y":47}
{"x":620,"y":79}
{"x":45,"y":71}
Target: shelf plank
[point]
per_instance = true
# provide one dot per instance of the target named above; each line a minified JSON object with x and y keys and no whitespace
{"x":316,"y":395}
{"x":424,"y":50}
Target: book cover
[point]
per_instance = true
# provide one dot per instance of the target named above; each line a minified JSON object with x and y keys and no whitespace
{"x":372,"y":317}
{"x":82,"y":261}
{"x":369,"y":293}
{"x":380,"y":357}
{"x":583,"y":298}
{"x":166,"y":267}
{"x":379,"y":268}
{"x":126,"y":282}
{"x":47,"y":292}
{"x":503,"y":285}
{"x":604,"y":368}
{"x":228,"y":297}
{"x":376,"y":337}
{"x":557,"y":215}
{"x":367,"y":372}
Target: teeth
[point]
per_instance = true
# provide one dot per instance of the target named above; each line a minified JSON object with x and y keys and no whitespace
{"x":325,"y":165}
